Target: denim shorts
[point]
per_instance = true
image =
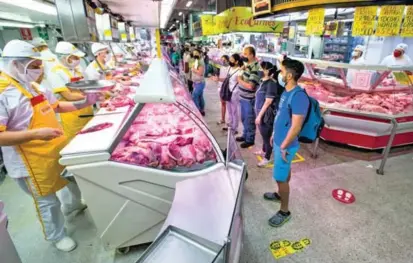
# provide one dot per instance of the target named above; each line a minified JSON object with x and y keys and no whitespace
{"x":282,"y":168}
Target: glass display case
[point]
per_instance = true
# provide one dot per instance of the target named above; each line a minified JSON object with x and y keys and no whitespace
{"x":362,"y":101}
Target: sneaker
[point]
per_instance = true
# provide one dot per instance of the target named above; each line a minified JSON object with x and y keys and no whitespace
{"x":279,"y":219}
{"x":225,"y":128}
{"x":272,"y":197}
{"x":66,"y":244}
{"x":264,"y":162}
{"x":240,"y":139}
{"x":259,"y":152}
{"x":246,"y":145}
{"x":77,"y":210}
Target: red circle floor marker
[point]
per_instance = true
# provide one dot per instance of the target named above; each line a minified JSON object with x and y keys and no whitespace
{"x":343,"y":196}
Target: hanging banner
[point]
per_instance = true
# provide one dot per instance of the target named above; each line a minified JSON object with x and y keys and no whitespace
{"x":390,"y":20}
{"x":407,"y":30}
{"x":315,"y":22}
{"x":207,"y":25}
{"x":238,"y":19}
{"x":364,"y":21}
{"x":260,"y":7}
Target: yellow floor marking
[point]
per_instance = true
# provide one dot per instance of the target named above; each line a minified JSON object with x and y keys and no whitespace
{"x":282,"y":248}
{"x":297,"y":159}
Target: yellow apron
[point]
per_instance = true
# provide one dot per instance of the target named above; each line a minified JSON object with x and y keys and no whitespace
{"x":71,"y":121}
{"x":108,"y":75}
{"x":41,"y":158}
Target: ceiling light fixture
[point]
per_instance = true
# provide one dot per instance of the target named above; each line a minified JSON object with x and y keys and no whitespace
{"x":189,"y":4}
{"x":166,"y":10}
{"x":41,"y":7}
{"x":15,"y":24}
{"x":209,"y":13}
{"x":180,"y":13}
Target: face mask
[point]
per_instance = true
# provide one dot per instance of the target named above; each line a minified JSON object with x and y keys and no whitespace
{"x":231,"y":64}
{"x":397,"y":53}
{"x":74,"y":63}
{"x":355,"y":54}
{"x":107,"y":58}
{"x":244,"y":59}
{"x":32,"y":74}
{"x":225,"y":63}
{"x":196,"y":57}
{"x":281,"y":80}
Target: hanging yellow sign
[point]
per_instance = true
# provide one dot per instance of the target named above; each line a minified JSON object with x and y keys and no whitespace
{"x":407,"y":30}
{"x":238,"y":19}
{"x":208,"y":25}
{"x":364,"y":21}
{"x":390,"y":20}
{"x":315,"y":22}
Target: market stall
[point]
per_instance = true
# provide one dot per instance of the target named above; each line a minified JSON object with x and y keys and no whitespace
{"x":130,"y":156}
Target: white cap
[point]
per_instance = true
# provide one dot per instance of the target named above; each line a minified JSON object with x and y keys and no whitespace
{"x":97,"y":47}
{"x":66,"y":48}
{"x":38,"y":42}
{"x":360,"y":48}
{"x":20,"y":49}
{"x":402,"y":46}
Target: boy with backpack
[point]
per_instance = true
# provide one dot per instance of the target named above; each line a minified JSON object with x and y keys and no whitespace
{"x":298,"y":117}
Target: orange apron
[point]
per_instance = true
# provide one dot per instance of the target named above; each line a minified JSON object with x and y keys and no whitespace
{"x":71,"y":121}
{"x":41,"y":158}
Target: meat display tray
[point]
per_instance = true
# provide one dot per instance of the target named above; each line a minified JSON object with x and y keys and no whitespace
{"x":175,"y":245}
{"x":92,"y":85}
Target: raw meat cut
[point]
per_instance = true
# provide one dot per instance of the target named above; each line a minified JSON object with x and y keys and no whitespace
{"x":377,"y":102}
{"x":165,"y":136}
{"x":97,"y":127}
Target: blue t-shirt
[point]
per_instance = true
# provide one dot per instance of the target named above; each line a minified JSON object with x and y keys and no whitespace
{"x":299,"y":106}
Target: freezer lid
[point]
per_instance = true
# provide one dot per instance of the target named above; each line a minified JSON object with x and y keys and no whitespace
{"x":156,"y":85}
{"x":206,"y":201}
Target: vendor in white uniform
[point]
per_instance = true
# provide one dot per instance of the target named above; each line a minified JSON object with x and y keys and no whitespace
{"x":68,"y":70}
{"x":102,"y":56}
{"x":357,"y":58}
{"x":398,"y":58}
{"x":31,"y":139}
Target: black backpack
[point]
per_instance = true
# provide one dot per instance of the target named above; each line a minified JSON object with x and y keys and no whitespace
{"x":226,"y":92}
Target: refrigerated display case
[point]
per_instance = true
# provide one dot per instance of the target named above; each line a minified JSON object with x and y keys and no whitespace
{"x":364,"y":104}
{"x":128,"y":170}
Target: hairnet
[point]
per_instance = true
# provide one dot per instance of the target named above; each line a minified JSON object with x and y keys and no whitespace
{"x":9,"y":65}
{"x":360,"y":48}
{"x":402,"y":46}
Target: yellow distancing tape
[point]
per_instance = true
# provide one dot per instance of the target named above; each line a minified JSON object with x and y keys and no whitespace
{"x":282,"y":248}
{"x":297,"y":159}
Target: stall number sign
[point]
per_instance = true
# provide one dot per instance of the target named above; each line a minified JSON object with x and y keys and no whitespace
{"x":407,"y":30}
{"x":43,"y":33}
{"x":390,"y":20}
{"x":26,"y":33}
{"x":315,"y":22}
{"x":364,"y":21}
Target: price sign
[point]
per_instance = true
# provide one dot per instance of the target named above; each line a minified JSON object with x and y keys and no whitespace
{"x":407,"y":30}
{"x":315,"y":22}
{"x":361,"y":80}
{"x":390,"y":20}
{"x":364,"y":21}
{"x":401,"y":77}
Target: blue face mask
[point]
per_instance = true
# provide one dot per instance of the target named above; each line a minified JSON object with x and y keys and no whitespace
{"x":280,"y":80}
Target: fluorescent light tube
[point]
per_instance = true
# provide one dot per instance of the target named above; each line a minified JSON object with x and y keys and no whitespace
{"x":189,"y":4}
{"x":33,"y":5}
{"x":15,"y":24}
{"x":209,"y":13}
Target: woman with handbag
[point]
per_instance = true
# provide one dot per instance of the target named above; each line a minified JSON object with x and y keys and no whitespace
{"x":230,"y":94}
{"x":266,"y":104}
